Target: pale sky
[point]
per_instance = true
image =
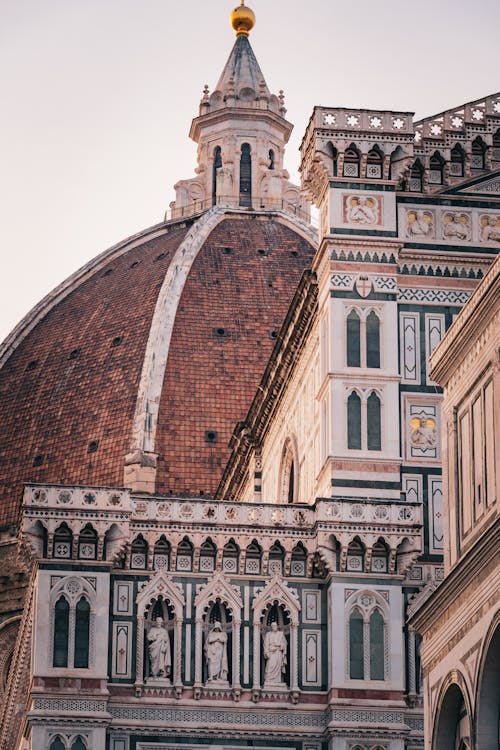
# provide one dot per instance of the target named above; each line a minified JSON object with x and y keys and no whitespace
{"x":97,"y":98}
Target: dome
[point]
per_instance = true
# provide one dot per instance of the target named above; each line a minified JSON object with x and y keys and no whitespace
{"x":92,"y":365}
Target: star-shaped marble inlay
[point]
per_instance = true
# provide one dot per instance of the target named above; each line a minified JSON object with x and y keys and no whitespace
{"x":457,"y":122}
{"x":436,"y":129}
{"x":398,"y":123}
{"x":477,"y":114}
{"x":329,"y":119}
{"x":418,"y":136}
{"x":352,"y":120}
{"x":375,"y":122}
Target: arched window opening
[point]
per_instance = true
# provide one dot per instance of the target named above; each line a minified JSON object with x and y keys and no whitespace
{"x":496,"y":146}
{"x":230,"y":557}
{"x":216,"y":166}
{"x":253,"y":558}
{"x":375,"y":164}
{"x":275,"y":655}
{"x":113,"y":549}
{"x":78,"y":744}
{"x":87,"y":543}
{"x":161,"y":554}
{"x":478,"y":155}
{"x":61,"y":633}
{"x":372,"y":340}
{"x":353,"y":340}
{"x":377,"y":646}
{"x":355,"y":557}
{"x":436,"y":166}
{"x":334,"y":155}
{"x":185,"y":555}
{"x":276,"y":559}
{"x":452,"y":725}
{"x":63,"y":542}
{"x":354,"y":422}
{"x":299,"y":559}
{"x":246,"y":176}
{"x":139,"y":553}
{"x":379,"y":557}
{"x":356,"y":645}
{"x":82,"y":631}
{"x":288,"y":485}
{"x":57,"y":744}
{"x":291,"y":483}
{"x":351,"y":162}
{"x":488,"y":705}
{"x":373,"y":422}
{"x":208,"y":552}
{"x":416,"y":177}
{"x":271,"y":159}
{"x":218,"y":644}
{"x":457,"y":161}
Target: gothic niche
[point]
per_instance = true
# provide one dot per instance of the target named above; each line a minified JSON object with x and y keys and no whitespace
{"x":159,"y":642}
{"x":275,"y":654}
{"x":217,"y":646}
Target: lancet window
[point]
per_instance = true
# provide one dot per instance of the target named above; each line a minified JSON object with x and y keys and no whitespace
{"x":87,"y":543}
{"x":139,"y":553}
{"x":416,"y":177}
{"x":208,"y":554}
{"x":72,"y":624}
{"x":185,"y":555}
{"x":253,"y":559}
{"x":246,"y":176}
{"x":375,"y":164}
{"x":367,"y":636}
{"x":230,"y":557}
{"x":216,"y":166}
{"x":63,"y":542}
{"x":436,"y":168}
{"x":161,"y":554}
{"x":364,"y":422}
{"x":457,"y":161}
{"x":363,"y":339}
{"x":478,"y":155}
{"x":351,"y":162}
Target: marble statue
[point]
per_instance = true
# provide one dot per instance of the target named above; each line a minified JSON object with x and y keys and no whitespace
{"x":159,"y":649}
{"x":216,"y":654}
{"x":275,"y":646}
{"x":490,"y":231}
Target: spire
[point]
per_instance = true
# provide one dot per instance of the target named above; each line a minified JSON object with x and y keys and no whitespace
{"x":242,"y":72}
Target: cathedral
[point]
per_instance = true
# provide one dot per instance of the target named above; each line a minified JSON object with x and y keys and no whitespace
{"x":221,"y":492}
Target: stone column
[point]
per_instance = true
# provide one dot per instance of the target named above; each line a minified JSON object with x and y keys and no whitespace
{"x":256,"y":661}
{"x":139,"y":660}
{"x":198,"y":655}
{"x":236,"y":659}
{"x":294,"y":660}
{"x":412,"y":682}
{"x":177,"y":665}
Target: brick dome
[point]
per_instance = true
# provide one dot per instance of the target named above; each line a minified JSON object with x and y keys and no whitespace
{"x":73,"y":373}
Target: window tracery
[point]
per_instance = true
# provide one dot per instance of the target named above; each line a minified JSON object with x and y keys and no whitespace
{"x":367,"y":636}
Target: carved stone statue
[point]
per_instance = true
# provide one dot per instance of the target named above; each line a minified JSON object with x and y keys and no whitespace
{"x":490,"y":231}
{"x":216,"y":654}
{"x":159,"y":649}
{"x":275,"y":646}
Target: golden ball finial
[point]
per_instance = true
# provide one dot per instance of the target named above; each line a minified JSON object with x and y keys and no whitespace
{"x":242,"y":19}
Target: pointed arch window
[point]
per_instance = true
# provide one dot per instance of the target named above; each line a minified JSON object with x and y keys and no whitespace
{"x":82,"y":631}
{"x":374,"y":164}
{"x":288,"y":478}
{"x":457,"y":161}
{"x":334,"y":155}
{"x":299,"y":560}
{"x":416,"y":177}
{"x":354,"y":421}
{"x":496,"y":146}
{"x":276,"y":559}
{"x":271,"y":159}
{"x":216,"y":166}
{"x":353,"y":340}
{"x":57,"y":744}
{"x":208,"y":554}
{"x":372,"y":340}
{"x":356,"y":645}
{"x":374,"y":441}
{"x":246,"y":176}
{"x":185,"y":555}
{"x":351,"y":162}
{"x":139,"y":553}
{"x":161,"y":554}
{"x":376,"y":646}
{"x":230,"y":557}
{"x":478,"y":155}
{"x":63,"y":542}
{"x":61,"y":633}
{"x":78,"y":744}
{"x":253,"y":559}
{"x":436,"y":168}
{"x":87,"y":543}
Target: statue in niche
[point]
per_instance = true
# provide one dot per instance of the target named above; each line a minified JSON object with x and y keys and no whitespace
{"x":419,"y":224}
{"x":491,"y":230}
{"x":456,"y":225}
{"x":159,"y":649}
{"x":216,"y":654}
{"x":275,"y":646}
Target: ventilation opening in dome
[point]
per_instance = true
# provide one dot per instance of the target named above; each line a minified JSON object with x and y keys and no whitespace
{"x":273,"y":334}
{"x":108,"y":272}
{"x":117,"y":341}
{"x":38,"y":460}
{"x":211,"y":436}
{"x":32,"y":365}
{"x":74,"y":354}
{"x":160,"y":256}
{"x":221,"y":332}
{"x":93,"y":446}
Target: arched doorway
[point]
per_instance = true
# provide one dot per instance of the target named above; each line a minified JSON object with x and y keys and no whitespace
{"x":488,"y":695}
{"x":452,"y":723}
